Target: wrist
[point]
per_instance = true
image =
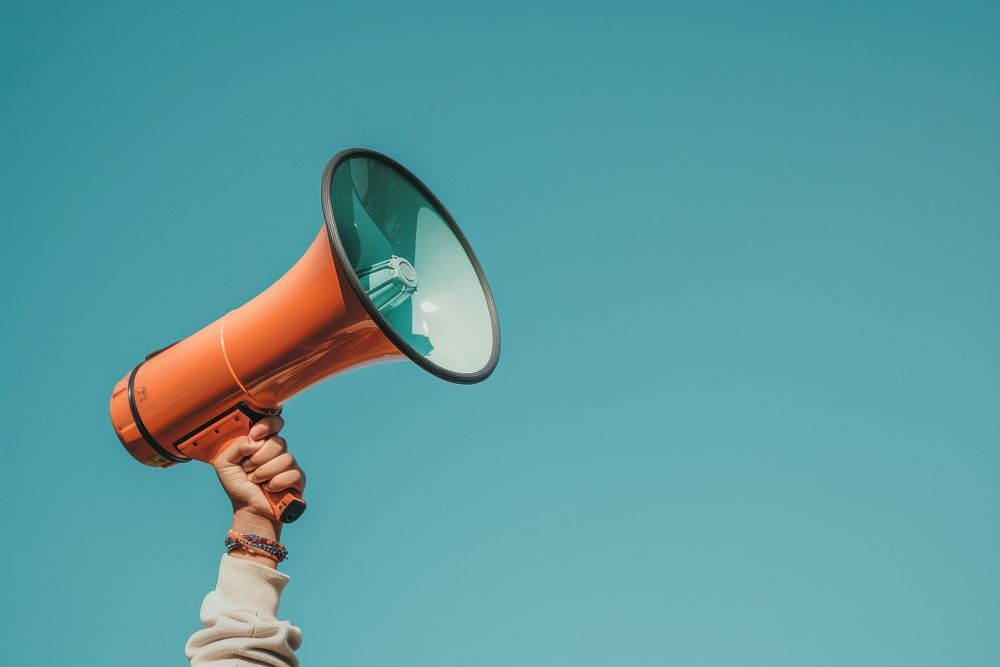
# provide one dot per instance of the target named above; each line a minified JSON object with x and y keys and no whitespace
{"x":247,"y":521}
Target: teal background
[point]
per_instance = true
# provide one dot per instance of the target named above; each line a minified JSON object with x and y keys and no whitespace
{"x":745,"y":259}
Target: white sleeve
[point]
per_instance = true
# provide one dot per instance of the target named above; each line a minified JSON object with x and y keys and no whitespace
{"x":241,"y":627}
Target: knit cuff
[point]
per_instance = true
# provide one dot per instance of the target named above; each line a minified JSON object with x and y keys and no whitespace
{"x":251,"y":586}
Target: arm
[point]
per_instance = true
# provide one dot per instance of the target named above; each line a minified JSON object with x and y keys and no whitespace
{"x":240,"y":615}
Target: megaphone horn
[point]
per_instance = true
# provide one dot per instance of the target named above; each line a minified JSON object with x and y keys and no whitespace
{"x":389,"y":276}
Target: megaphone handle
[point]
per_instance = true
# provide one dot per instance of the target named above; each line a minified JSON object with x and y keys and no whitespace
{"x":286,"y":505}
{"x":216,"y":437}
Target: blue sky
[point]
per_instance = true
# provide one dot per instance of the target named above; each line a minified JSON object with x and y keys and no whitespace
{"x":745,"y":262}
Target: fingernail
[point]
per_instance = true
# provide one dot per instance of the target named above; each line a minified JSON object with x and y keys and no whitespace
{"x":251,"y":478}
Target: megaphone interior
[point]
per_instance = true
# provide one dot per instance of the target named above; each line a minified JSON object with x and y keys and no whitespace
{"x":390,"y":276}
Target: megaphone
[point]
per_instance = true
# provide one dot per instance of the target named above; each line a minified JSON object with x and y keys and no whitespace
{"x":390,"y":276}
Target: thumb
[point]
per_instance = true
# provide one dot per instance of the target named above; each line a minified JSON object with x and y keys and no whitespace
{"x":235,"y":452}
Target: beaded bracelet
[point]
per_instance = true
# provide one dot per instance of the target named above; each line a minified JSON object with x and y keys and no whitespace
{"x":257,"y":544}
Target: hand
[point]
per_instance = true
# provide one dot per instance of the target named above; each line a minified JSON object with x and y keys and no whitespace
{"x":250,"y":463}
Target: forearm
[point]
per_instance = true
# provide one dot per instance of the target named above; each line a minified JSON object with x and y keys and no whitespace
{"x":240,"y":616}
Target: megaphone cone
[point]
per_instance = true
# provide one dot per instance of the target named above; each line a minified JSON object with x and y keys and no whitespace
{"x":389,"y":276}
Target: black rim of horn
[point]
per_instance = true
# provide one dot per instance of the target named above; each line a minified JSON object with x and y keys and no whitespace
{"x":340,"y":255}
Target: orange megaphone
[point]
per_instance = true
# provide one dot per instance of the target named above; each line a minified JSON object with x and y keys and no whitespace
{"x":389,"y":276}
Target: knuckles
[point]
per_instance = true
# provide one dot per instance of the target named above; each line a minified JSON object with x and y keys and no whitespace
{"x":268,"y":426}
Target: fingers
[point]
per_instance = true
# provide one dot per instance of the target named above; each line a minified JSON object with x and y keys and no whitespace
{"x":269,"y":449}
{"x":243,"y":448}
{"x":236,"y":452}
{"x":289,"y":479}
{"x":282,"y":463}
{"x":266,"y":426}
{"x":264,"y":458}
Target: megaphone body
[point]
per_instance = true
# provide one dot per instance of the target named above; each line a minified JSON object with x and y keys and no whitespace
{"x":389,"y":276}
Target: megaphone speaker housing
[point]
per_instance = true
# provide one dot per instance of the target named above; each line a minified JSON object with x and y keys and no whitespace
{"x":390,"y":276}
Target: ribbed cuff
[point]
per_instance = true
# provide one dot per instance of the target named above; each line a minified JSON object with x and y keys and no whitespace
{"x":251,"y":586}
